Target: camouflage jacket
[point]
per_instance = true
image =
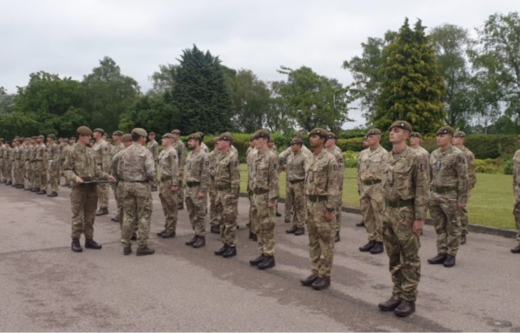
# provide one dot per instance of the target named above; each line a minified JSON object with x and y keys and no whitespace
{"x":340,"y":173}
{"x":264,"y":173}
{"x":197,"y":169}
{"x":448,"y":169}
{"x":407,"y":179}
{"x":53,"y":155}
{"x":204,"y":147}
{"x":116,"y":149}
{"x":472,"y":174}
{"x":371,"y":165}
{"x":295,"y":167}
{"x":169,"y":164}
{"x":41,"y":153}
{"x":2,"y":149}
{"x":102,"y":154}
{"x":153,"y":147}
{"x":180,"y":148}
{"x":136,"y":164}
{"x":227,"y":172}
{"x":81,"y":162}
{"x":284,"y":155}
{"x":320,"y":180}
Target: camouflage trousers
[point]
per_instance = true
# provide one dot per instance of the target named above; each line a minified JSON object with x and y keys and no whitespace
{"x":34,"y":180}
{"x":463,"y":218}
{"x":54,"y":178}
{"x":169,"y":201}
{"x":197,"y":210}
{"x":28,"y":174}
{"x":214,"y":208}
{"x":264,"y":218}
{"x":402,"y":246}
{"x":252,"y":221}
{"x":227,"y":214}
{"x":137,"y":207}
{"x":7,"y":172}
{"x":338,"y":200}
{"x":116,"y":196}
{"x":321,"y":239}
{"x":19,"y":172}
{"x":372,"y":206}
{"x":516,"y":213}
{"x":2,"y":164}
{"x":83,"y":201}
{"x":103,"y":195}
{"x":297,"y":202}
{"x":445,"y":216}
{"x":40,"y":175}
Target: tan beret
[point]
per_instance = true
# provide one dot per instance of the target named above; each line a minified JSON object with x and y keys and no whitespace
{"x":459,"y":134}
{"x":168,"y":136}
{"x":445,"y":130}
{"x":402,"y":124}
{"x":126,"y":138}
{"x":319,"y":131}
{"x":83,"y":130}
{"x":140,"y":131}
{"x":374,"y":131}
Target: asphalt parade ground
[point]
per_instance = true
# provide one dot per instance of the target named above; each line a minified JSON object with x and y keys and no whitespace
{"x":47,"y":287}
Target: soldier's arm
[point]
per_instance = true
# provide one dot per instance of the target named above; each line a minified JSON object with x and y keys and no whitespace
{"x":105,"y":156}
{"x":332,"y":184}
{"x":358,"y":173}
{"x":282,"y":158}
{"x":113,"y":165}
{"x":462,"y":184}
{"x":472,"y":176}
{"x":234,"y":168}
{"x":516,"y":170}
{"x":420,"y":184}
{"x":149,"y":165}
{"x":204,"y":174}
{"x":68,"y":167}
{"x":273,"y":180}
{"x":174,"y":162}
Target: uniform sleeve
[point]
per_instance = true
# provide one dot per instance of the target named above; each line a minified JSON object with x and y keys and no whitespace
{"x":174,"y":162}
{"x":462,"y":184}
{"x":282,"y":158}
{"x":149,"y":165}
{"x":341,"y":171}
{"x":332,"y":184}
{"x":113,"y":166}
{"x":273,"y":179}
{"x":516,"y":170}
{"x":204,"y":174}
{"x":421,"y":187}
{"x":358,"y":172}
{"x":234,"y":168}
{"x":472,"y":176}
{"x":105,"y":157}
{"x":68,"y":166}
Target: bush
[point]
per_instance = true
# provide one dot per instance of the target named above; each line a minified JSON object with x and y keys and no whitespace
{"x":491,"y":146}
{"x":353,"y":144}
{"x":508,"y":167}
{"x":489,"y":166}
{"x":351,"y":159}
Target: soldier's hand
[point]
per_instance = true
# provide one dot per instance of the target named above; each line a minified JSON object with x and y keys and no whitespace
{"x":270,"y":205}
{"x":79,"y":180}
{"x":418,"y":226}
{"x":111,"y":179}
{"x":201,"y":195}
{"x":461,"y":205}
{"x":234,"y":201}
{"x":469,"y":193}
{"x":329,"y":216}
{"x":174,"y":188}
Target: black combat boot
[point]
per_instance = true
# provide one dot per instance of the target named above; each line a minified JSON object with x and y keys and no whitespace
{"x":230,"y":252}
{"x":516,"y":249}
{"x":299,"y":232}
{"x":309,"y":280}
{"x":42,"y":192}
{"x":321,"y":283}
{"x":201,"y":241}
{"x":337,"y":238}
{"x":360,"y":224}
{"x":377,"y":248}
{"x":256,"y":261}
{"x":268,"y":262}
{"x":180,"y":206}
{"x":52,"y":195}
{"x":76,"y":246}
{"x":405,"y":309}
{"x":292,"y":230}
{"x":168,"y":234}
{"x":92,"y":244}
{"x":368,"y":246}
{"x":215,"y":229}
{"x":438,"y":259}
{"x":221,"y":250}
{"x":102,"y":211}
{"x":192,"y":241}
{"x":450,"y":261}
{"x":144,"y":251}
{"x":35,"y":190}
{"x":462,"y":239}
{"x":389,"y":305}
{"x":161,"y":233}
{"x":127,"y":250}
{"x":116,"y":218}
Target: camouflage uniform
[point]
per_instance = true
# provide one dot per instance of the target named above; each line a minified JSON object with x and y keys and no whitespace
{"x":153,"y":147}
{"x":180,"y":148}
{"x":249,"y":190}
{"x":340,"y":174}
{"x":264,"y":185}
{"x":113,"y":152}
{"x":136,"y":168}
{"x":169,"y":164}
{"x":449,"y":187}
{"x":65,"y":151}
{"x":81,"y":161}
{"x":197,"y":180}
{"x":406,"y":195}
{"x":295,"y":179}
{"x":19,"y":165}
{"x":53,"y":157}
{"x":214,"y":208}
{"x":371,"y":171}
{"x":516,"y":189}
{"x":27,"y":166}
{"x":321,"y":187}
{"x":2,"y":163}
{"x":103,"y":160}
{"x":204,"y":147}
{"x":7,"y":163}
{"x":41,"y":166}
{"x":472,"y":181}
{"x":227,"y":183}
{"x":32,"y":157}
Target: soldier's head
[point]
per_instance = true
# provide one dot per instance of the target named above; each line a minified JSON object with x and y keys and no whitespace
{"x":126,"y":140}
{"x":104,"y":136}
{"x":225,"y":140}
{"x":65,"y":142}
{"x":139,"y":135}
{"x":39,"y":139}
{"x":167,"y":140}
{"x":270,"y":142}
{"x":33,"y":140}
{"x":296,"y":145}
{"x":444,"y":137}
{"x":116,"y":136}
{"x":151,"y":136}
{"x":176,"y":135}
{"x":98,"y":134}
{"x":72,"y":140}
{"x":318,"y":137}
{"x":194,"y":141}
{"x":2,"y":141}
{"x":262,"y":138}
{"x":415,"y":139}
{"x":399,"y":132}
{"x":458,"y":139}
{"x":51,"y":138}
{"x":27,"y":141}
{"x":84,"y":135}
{"x":373,"y":137}
{"x":331,"y":140}
{"x":252,"y":141}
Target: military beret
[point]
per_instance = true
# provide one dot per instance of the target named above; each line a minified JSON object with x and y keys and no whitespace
{"x":459,"y":134}
{"x":16,"y":137}
{"x":402,"y":124}
{"x":99,"y":130}
{"x":416,"y":135}
{"x":445,"y":130}
{"x":126,"y":138}
{"x":296,"y":141}
{"x":27,"y":139}
{"x":117,"y":133}
{"x":151,"y":133}
{"x":374,"y":131}
{"x":226,"y":136}
{"x":72,"y":138}
{"x":262,"y":133}
{"x":139,"y":131}
{"x":319,"y":131}
{"x":201,"y":135}
{"x":51,"y":136}
{"x":195,"y":136}
{"x":168,"y":136}
{"x":331,"y":135}
{"x":20,"y":140}
{"x":41,"y":137}
{"x":176,"y":131}
{"x":84,"y":130}
{"x":34,"y":137}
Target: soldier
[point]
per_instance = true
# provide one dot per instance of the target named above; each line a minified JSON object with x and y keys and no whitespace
{"x":406,"y":196}
{"x":153,"y":147}
{"x":449,"y":194}
{"x":103,"y":159}
{"x":7,"y":164}
{"x":371,"y":169}
{"x":181,"y":154}
{"x":197,"y":186}
{"x":2,"y":161}
{"x":169,"y":188}
{"x":264,"y":185}
{"x":458,"y":141}
{"x":214,"y":207}
{"x":32,"y":157}
{"x":330,"y":144}
{"x":126,"y":141}
{"x":272,"y":147}
{"x":20,"y":164}
{"x":516,"y":191}
{"x":203,"y":146}
{"x":321,"y":188}
{"x":295,"y":193}
{"x":41,"y":165}
{"x":26,"y":156}
{"x":53,"y":157}
{"x":136,"y":169}
{"x":362,"y":222}
{"x":81,"y":169}
{"x":65,"y":150}
{"x":250,"y":149}
{"x":227,"y":182}
{"x":116,"y":148}
{"x":16,"y":158}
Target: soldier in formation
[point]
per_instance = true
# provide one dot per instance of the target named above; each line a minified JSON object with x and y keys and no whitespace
{"x":103,"y":160}
{"x":295,"y":187}
{"x":153,"y":147}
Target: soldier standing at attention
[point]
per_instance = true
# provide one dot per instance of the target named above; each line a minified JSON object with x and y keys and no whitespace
{"x":406,"y":195}
{"x":116,"y":148}
{"x":251,"y":224}
{"x":53,"y":157}
{"x":169,"y":187}
{"x":321,"y":187}
{"x":458,"y":141}
{"x":362,"y":222}
{"x":81,"y":169}
{"x":7,"y":164}
{"x":136,"y":169}
{"x":264,"y":185}
{"x":295,"y":173}
{"x":126,"y":141}
{"x":197,"y":186}
{"x":103,"y":159}
{"x":338,"y":155}
{"x":41,"y":166}
{"x":516,"y":190}
{"x":214,"y":207}
{"x":371,"y":170}
{"x":449,"y":194}
{"x":2,"y":161}
{"x":65,"y":151}
{"x":227,"y":182}
{"x":32,"y":169}
{"x":27,"y":163}
{"x":181,"y":158}
{"x":153,"y":147}
{"x":17,"y":167}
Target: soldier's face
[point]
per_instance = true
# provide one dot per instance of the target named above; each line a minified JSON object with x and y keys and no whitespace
{"x":151,"y":137}
{"x":457,"y":141}
{"x":295,"y":147}
{"x":315,"y":140}
{"x":397,"y":135}
{"x":415,"y":141}
{"x":192,"y":144}
{"x":116,"y":138}
{"x":443,"y":140}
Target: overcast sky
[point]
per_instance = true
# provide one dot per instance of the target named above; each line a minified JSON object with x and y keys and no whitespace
{"x":70,"y":37}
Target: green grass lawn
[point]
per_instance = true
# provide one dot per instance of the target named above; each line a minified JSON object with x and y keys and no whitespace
{"x":491,"y":203}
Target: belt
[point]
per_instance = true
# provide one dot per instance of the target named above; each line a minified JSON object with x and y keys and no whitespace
{"x":224,"y":187}
{"x":192,"y":184}
{"x":165,"y":178}
{"x":296,"y":181}
{"x":372,"y":182}
{"x":316,"y":198}
{"x":399,"y":203}
{"x":259,"y":191}
{"x":444,"y":189}
{"x":135,"y":181}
